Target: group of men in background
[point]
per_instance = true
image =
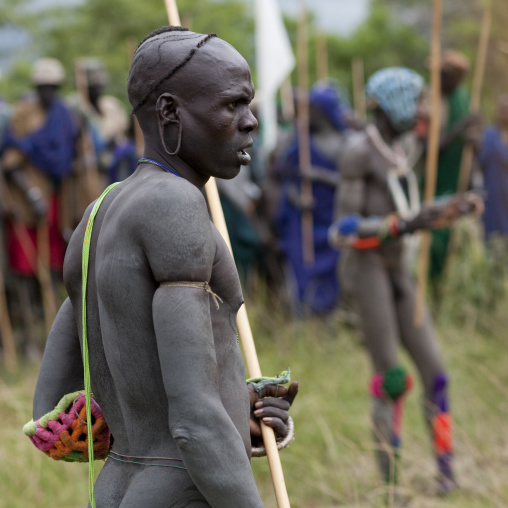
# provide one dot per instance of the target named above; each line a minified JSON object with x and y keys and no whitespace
{"x":58,"y":154}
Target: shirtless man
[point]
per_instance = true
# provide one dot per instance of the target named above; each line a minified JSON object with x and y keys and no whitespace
{"x":165,"y":363}
{"x":379,"y":204}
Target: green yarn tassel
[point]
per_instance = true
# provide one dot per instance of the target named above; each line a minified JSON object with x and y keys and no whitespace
{"x":394,"y":382}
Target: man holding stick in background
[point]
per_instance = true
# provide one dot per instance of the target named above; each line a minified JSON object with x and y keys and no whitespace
{"x":378,"y":205}
{"x":163,"y":294}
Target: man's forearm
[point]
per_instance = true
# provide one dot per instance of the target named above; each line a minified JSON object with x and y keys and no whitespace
{"x":62,"y":368}
{"x":215,"y":457}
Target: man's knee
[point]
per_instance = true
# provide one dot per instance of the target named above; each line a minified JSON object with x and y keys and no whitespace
{"x":392,"y":384}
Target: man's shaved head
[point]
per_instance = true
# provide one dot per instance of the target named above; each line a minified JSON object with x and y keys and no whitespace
{"x":160,"y":56}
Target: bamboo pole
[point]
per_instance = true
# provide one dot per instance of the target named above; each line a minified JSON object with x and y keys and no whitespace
{"x":359,"y":88}
{"x":41,"y":267}
{"x":44,"y":275}
{"x":321,"y":57}
{"x":479,"y":72}
{"x":138,"y":133}
{"x":287,"y":100}
{"x":432,"y":156}
{"x":244,"y":329}
{"x":302,"y":118}
{"x":10,"y":358}
{"x":92,"y":182}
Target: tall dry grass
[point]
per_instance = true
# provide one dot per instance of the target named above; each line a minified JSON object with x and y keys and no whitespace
{"x":331,"y":463}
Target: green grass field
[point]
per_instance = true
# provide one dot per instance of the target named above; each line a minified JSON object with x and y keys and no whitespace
{"x":330,"y":463}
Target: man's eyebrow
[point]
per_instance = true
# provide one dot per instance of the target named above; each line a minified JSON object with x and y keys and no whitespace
{"x":241,"y":95}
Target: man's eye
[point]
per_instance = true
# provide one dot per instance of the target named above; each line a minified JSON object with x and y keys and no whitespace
{"x":234,"y":104}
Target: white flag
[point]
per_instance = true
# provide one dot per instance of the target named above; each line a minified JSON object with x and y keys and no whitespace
{"x":274,"y":61}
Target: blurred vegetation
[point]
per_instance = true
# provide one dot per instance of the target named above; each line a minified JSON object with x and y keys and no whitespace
{"x":331,"y":462}
{"x":396,"y":32}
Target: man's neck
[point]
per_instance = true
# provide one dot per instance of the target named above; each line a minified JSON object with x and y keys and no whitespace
{"x":158,"y":154}
{"x":386,"y":132}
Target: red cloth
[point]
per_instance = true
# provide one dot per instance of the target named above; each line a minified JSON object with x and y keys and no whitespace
{"x":22,"y":259}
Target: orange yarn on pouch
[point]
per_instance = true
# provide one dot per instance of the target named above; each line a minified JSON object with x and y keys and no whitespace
{"x":76,"y":440}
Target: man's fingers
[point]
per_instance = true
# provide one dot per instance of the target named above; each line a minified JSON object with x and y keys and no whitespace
{"x":292,"y":392}
{"x":271,"y":412}
{"x":279,"y":427}
{"x":273,"y":402}
{"x":273,"y":391}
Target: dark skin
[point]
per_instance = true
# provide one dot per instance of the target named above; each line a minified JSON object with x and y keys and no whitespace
{"x":165,"y":364}
{"x":46,"y":94}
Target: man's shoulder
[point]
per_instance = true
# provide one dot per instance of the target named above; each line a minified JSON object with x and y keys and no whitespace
{"x":162,"y":203}
{"x":168,"y":218}
{"x":355,"y":155}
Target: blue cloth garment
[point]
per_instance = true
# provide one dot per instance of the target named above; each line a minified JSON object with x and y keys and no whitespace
{"x":494,"y":162}
{"x":52,"y":147}
{"x":317,"y":284}
{"x":124,"y":163}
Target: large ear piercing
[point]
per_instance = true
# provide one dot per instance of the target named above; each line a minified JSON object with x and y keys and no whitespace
{"x":161,"y":125}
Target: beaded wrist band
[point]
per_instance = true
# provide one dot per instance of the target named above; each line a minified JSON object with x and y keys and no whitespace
{"x":282,"y":442}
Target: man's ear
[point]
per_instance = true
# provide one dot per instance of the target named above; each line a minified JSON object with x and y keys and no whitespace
{"x":167,"y":108}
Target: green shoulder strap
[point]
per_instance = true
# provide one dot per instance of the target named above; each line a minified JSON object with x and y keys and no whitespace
{"x":86,"y":365}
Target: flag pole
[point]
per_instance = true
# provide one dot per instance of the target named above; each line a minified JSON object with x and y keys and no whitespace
{"x":242,"y":320}
{"x":432,"y":156}
{"x":302,"y":119}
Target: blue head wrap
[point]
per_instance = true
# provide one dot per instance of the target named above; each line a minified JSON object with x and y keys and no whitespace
{"x":328,"y":101}
{"x":397,"y":92}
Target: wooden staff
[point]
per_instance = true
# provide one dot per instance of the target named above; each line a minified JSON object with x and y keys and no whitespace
{"x":302,"y":119}
{"x":44,"y":275}
{"x":92,"y":182}
{"x":287,"y":100}
{"x":41,"y":267}
{"x":10,"y":358}
{"x":321,"y":57}
{"x":138,"y":133}
{"x":432,"y":156}
{"x":242,"y":320}
{"x":359,"y":88}
{"x":479,"y":71}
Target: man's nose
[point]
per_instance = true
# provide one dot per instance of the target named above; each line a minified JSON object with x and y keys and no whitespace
{"x":249,"y":122}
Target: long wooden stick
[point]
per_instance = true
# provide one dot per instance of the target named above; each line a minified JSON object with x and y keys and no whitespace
{"x":92,"y":182}
{"x":242,"y":320}
{"x":41,"y":266}
{"x":302,"y":119}
{"x":321,"y":57}
{"x":432,"y":156}
{"x":138,"y":133}
{"x":359,"y":88}
{"x":287,"y":100}
{"x":479,"y":72}
{"x":44,"y":275}
{"x":10,"y":358}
